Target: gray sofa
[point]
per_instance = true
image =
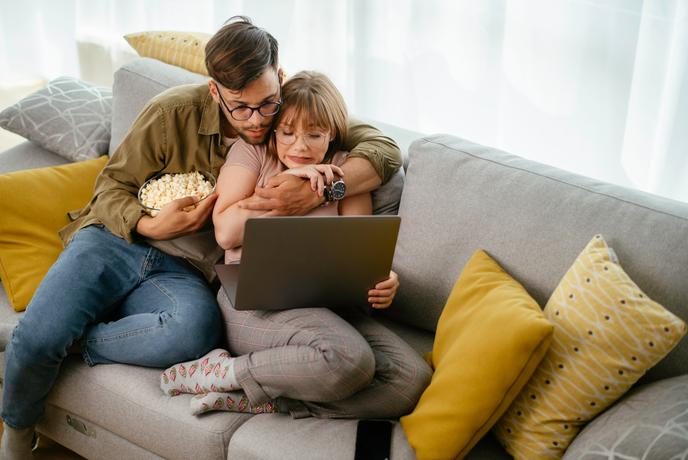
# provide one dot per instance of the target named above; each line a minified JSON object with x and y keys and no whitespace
{"x":458,"y":197}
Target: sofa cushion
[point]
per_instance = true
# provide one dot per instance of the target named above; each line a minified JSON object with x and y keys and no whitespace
{"x":69,"y":117}
{"x":649,"y":422}
{"x":34,"y":207}
{"x":312,"y":438}
{"x":126,"y":401}
{"x":135,"y":84}
{"x":28,"y":155}
{"x":480,"y":366}
{"x":182,"y":49}
{"x":607,"y":333}
{"x":533,"y":218}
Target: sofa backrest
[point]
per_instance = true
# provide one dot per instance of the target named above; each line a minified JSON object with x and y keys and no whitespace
{"x":135,"y":83}
{"x":534,"y":220}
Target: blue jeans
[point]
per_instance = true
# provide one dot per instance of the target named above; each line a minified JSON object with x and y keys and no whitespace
{"x":124,"y":303}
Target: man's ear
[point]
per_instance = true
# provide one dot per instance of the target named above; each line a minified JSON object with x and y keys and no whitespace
{"x":282,"y":75}
{"x":212,"y":87}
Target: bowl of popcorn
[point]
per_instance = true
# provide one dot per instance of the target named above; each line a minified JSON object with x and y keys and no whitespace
{"x":161,"y":189}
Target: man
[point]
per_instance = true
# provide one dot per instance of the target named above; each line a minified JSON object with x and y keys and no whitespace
{"x":129,"y":287}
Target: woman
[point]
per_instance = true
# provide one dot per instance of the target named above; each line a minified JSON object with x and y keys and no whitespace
{"x":307,"y":361}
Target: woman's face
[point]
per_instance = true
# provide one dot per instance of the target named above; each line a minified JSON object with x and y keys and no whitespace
{"x":299,"y":145}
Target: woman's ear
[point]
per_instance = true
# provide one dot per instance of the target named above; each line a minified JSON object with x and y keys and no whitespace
{"x":282,"y":75}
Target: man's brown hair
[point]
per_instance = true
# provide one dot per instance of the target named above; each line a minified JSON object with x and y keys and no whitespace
{"x":239,"y":53}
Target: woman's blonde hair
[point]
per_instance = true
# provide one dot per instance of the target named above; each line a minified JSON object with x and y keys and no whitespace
{"x":312,"y":98}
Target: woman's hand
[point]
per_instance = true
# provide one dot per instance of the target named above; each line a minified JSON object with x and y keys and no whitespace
{"x":384,"y":292}
{"x":319,"y":175}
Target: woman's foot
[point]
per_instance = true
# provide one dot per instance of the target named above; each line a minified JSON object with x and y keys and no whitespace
{"x":235,"y":401}
{"x":16,"y":444}
{"x":213,"y":372}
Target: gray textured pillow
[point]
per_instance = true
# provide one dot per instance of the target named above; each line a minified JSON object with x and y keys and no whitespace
{"x":69,"y":117}
{"x":649,"y":422}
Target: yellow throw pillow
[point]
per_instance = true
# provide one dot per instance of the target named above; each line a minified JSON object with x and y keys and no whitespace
{"x":607,"y":334}
{"x":183,"y":49}
{"x":489,"y":340}
{"x":34,"y":207}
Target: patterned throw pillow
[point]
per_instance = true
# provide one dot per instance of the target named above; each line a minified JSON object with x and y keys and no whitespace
{"x":607,"y":334}
{"x":182,"y":49}
{"x":69,"y":117}
{"x":650,"y":422}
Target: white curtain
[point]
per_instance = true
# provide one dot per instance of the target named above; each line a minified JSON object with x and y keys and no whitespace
{"x":599,"y":87}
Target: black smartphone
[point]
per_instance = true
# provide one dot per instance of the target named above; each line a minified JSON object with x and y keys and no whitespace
{"x":373,"y":440}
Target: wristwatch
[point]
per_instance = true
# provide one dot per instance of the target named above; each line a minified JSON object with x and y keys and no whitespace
{"x":335,"y":191}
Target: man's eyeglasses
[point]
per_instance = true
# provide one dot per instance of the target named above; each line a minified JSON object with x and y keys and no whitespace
{"x":244,"y":112}
{"x":313,"y":139}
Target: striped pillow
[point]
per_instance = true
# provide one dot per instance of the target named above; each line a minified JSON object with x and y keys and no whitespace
{"x":607,"y":334}
{"x":182,"y":49}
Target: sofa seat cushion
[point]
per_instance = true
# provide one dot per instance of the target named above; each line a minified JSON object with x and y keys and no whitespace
{"x":127,"y":401}
{"x":315,"y":439}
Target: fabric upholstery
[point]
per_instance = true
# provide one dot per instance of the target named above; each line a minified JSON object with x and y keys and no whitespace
{"x":534,"y":219}
{"x":480,"y":365}
{"x":649,"y":422}
{"x":69,"y":117}
{"x":135,"y":84}
{"x":127,"y":401}
{"x":28,"y":155}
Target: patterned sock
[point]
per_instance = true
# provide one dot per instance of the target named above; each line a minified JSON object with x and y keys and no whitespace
{"x":235,"y":401}
{"x":213,"y":372}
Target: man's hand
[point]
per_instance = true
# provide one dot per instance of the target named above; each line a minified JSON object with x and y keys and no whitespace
{"x":173,"y":220}
{"x":284,"y":195}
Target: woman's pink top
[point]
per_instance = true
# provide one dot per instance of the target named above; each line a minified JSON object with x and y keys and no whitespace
{"x":255,"y":158}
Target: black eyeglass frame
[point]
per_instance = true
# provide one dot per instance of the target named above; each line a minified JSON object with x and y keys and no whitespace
{"x":258,"y":108}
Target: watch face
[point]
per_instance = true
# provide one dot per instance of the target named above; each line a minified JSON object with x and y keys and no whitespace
{"x":338,"y":190}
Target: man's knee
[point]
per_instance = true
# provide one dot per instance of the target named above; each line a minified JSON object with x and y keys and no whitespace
{"x":191,"y":336}
{"x":38,"y":345}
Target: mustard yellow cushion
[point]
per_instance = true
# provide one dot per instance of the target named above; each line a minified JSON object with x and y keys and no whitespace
{"x":607,"y":334}
{"x":489,"y":339}
{"x":34,"y":207}
{"x":182,"y":49}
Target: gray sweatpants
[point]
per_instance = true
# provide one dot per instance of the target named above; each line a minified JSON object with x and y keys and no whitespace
{"x":321,"y":364}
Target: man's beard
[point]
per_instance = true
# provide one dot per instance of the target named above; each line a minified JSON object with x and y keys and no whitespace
{"x":243,"y":133}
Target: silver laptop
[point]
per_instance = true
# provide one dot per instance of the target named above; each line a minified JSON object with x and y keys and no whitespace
{"x":296,"y":262}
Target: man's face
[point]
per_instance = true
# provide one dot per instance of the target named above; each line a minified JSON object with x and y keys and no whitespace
{"x":264,"y":89}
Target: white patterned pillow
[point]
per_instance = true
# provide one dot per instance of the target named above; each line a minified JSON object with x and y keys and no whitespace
{"x":69,"y":117}
{"x":650,"y":422}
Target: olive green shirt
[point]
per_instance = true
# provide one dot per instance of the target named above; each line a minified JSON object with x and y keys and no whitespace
{"x":179,"y":131}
